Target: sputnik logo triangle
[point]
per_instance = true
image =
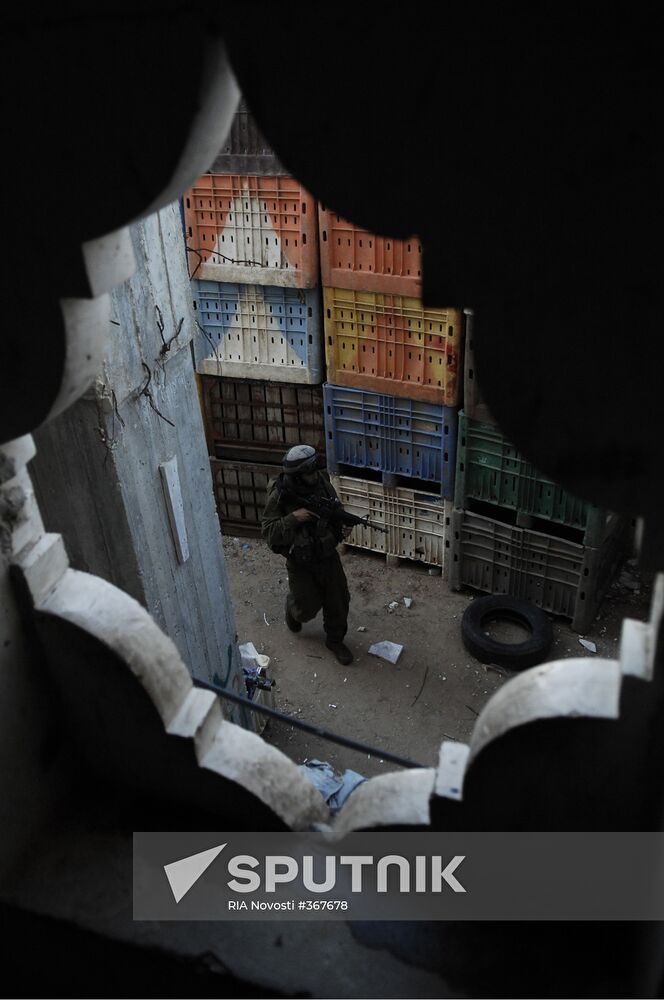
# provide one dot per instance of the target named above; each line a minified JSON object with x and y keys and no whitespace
{"x":186,"y":872}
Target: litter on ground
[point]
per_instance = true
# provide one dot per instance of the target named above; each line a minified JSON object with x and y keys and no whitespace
{"x":333,"y":786}
{"x":251,"y":657}
{"x":386,"y":650}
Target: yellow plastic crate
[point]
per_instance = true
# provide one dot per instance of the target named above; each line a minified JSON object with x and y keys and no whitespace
{"x":393,"y":344}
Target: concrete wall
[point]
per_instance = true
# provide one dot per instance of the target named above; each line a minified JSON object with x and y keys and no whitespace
{"x":97,"y":470}
{"x":79,"y":493}
{"x":33,"y":776}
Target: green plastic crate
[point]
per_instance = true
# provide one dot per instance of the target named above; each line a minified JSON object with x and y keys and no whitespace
{"x":557,"y":575}
{"x":491,"y":470}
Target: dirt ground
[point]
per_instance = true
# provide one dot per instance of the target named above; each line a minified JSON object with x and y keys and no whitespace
{"x":434,"y":691}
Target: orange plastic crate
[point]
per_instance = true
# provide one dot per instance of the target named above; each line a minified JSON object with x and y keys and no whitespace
{"x":392,"y":344}
{"x":350,"y":257}
{"x":252,"y":230}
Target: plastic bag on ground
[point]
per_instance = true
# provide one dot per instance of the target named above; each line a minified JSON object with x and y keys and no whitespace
{"x":333,"y":786}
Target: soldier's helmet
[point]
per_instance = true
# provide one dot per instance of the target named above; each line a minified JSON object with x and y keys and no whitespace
{"x":302,"y":458}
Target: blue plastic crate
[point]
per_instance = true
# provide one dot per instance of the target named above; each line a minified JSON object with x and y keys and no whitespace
{"x":403,"y":437}
{"x":259,"y":331}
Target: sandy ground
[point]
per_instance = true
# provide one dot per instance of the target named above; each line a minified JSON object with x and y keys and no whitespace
{"x":434,"y":691}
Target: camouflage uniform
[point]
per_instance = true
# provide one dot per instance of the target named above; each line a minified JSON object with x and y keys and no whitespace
{"x":316,"y":578}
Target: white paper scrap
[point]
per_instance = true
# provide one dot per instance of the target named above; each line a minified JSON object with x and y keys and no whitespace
{"x":386,"y":650}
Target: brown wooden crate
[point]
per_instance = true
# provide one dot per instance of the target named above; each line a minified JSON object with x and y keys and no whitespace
{"x":259,"y":421}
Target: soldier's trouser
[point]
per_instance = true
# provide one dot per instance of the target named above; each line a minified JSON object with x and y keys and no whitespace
{"x":321,"y":585}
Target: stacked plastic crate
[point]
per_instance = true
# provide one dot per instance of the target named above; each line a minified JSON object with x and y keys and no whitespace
{"x":514,"y":531}
{"x":251,"y":233}
{"x":393,"y":368}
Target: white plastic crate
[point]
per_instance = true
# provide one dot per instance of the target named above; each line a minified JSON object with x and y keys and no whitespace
{"x":415,"y":521}
{"x":259,"y":332}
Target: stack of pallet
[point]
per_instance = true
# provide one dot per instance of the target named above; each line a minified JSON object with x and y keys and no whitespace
{"x":251,"y":235}
{"x":514,"y":531}
{"x":391,"y":395}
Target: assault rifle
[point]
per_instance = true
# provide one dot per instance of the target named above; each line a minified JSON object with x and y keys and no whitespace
{"x":333,"y":510}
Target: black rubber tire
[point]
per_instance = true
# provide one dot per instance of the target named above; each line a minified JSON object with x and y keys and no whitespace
{"x":512,"y":656}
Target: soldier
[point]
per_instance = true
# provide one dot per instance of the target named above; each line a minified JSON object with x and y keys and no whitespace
{"x":309,"y":541}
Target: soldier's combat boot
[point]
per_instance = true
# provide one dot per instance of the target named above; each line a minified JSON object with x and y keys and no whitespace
{"x":293,"y":625}
{"x":342,"y":652}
